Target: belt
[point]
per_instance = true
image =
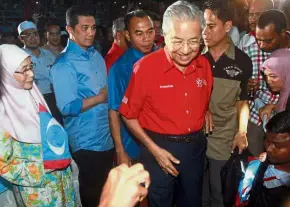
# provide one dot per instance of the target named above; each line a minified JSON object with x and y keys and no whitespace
{"x":186,"y":138}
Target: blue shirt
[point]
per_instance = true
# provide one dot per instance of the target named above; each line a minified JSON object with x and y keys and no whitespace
{"x":76,"y":75}
{"x":118,"y":80}
{"x":43,"y":64}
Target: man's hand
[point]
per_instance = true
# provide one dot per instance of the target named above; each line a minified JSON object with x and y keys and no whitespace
{"x":253,"y":85}
{"x":123,"y":158}
{"x":209,"y":125}
{"x":165,"y":159}
{"x":125,"y":186}
{"x":240,"y":141}
{"x":266,"y":110}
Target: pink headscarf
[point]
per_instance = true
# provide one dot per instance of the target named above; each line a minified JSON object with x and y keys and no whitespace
{"x":18,"y":107}
{"x":279,"y":63}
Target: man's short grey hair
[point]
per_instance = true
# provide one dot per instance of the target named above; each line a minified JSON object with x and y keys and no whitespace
{"x":181,"y":10}
{"x":118,"y":25}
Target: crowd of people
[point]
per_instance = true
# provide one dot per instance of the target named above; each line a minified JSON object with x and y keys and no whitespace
{"x":156,"y":120}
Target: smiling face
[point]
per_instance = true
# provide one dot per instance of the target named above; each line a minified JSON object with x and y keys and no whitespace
{"x":84,"y":32}
{"x":30,"y":38}
{"x":141,"y":34}
{"x":24,"y":74}
{"x":183,"y":41}
{"x":273,"y":80}
{"x":53,"y":35}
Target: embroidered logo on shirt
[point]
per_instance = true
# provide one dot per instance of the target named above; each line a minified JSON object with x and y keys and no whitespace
{"x":125,"y":100}
{"x":199,"y":82}
{"x":167,"y":86}
{"x":233,"y":71}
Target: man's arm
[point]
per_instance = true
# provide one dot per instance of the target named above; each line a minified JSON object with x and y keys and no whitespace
{"x":243,"y":114}
{"x":90,"y":102}
{"x":243,"y":108}
{"x":115,"y":127}
{"x":65,"y":86}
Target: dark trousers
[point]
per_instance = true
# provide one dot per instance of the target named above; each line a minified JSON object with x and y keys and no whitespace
{"x":51,"y":102}
{"x":186,"y":189}
{"x":94,"y":168}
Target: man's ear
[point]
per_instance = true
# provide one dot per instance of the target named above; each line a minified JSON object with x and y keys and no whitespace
{"x":69,"y":29}
{"x":127,"y":35}
{"x":228,"y":26}
{"x":118,"y":36}
{"x":284,"y":33}
{"x":21,"y":39}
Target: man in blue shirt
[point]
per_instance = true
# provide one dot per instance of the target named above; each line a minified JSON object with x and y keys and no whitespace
{"x":79,"y":80}
{"x":43,"y":60}
{"x":140,"y":33}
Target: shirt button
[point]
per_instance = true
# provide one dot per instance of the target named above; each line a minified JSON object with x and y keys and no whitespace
{"x":187,"y":111}
{"x":189,"y":129}
{"x":184,"y":77}
{"x":213,"y":66}
{"x":185,"y":94}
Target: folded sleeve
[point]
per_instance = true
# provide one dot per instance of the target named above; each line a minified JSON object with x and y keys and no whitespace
{"x":64,"y":80}
{"x":136,"y":92}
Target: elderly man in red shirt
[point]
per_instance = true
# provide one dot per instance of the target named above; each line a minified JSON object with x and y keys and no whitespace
{"x":120,"y":44}
{"x":165,"y":106}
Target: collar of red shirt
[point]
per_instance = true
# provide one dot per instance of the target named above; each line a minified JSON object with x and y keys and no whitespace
{"x":116,"y":48}
{"x":252,"y":33}
{"x":168,"y":63}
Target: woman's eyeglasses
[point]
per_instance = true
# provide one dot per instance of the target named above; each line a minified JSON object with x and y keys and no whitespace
{"x":26,"y":68}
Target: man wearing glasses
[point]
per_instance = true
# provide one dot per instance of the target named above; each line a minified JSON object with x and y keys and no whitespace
{"x":165,"y":106}
{"x":52,"y":34}
{"x":43,"y":60}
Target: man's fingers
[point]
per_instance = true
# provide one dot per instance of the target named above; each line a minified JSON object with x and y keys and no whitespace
{"x":211,"y":124}
{"x":172,"y":170}
{"x":142,"y":178}
{"x":206,"y":124}
{"x":135,"y":170}
{"x":173,"y":159}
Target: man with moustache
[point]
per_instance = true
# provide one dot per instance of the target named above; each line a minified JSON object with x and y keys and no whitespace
{"x":256,"y":86}
{"x":164,"y":107}
{"x":227,"y":117}
{"x":271,"y":31}
{"x":139,"y":32}
{"x":53,"y":37}
{"x":79,"y":78}
{"x":43,"y":60}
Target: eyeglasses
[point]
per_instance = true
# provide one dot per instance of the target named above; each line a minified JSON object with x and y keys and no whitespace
{"x":54,"y":33}
{"x":255,"y":14}
{"x":30,"y":34}
{"x":23,"y":70}
{"x":190,"y":43}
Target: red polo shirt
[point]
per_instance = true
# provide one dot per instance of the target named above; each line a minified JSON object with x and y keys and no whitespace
{"x":114,"y":53}
{"x":165,"y":100}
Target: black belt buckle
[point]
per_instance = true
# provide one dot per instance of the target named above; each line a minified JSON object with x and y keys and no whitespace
{"x":187,"y":140}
